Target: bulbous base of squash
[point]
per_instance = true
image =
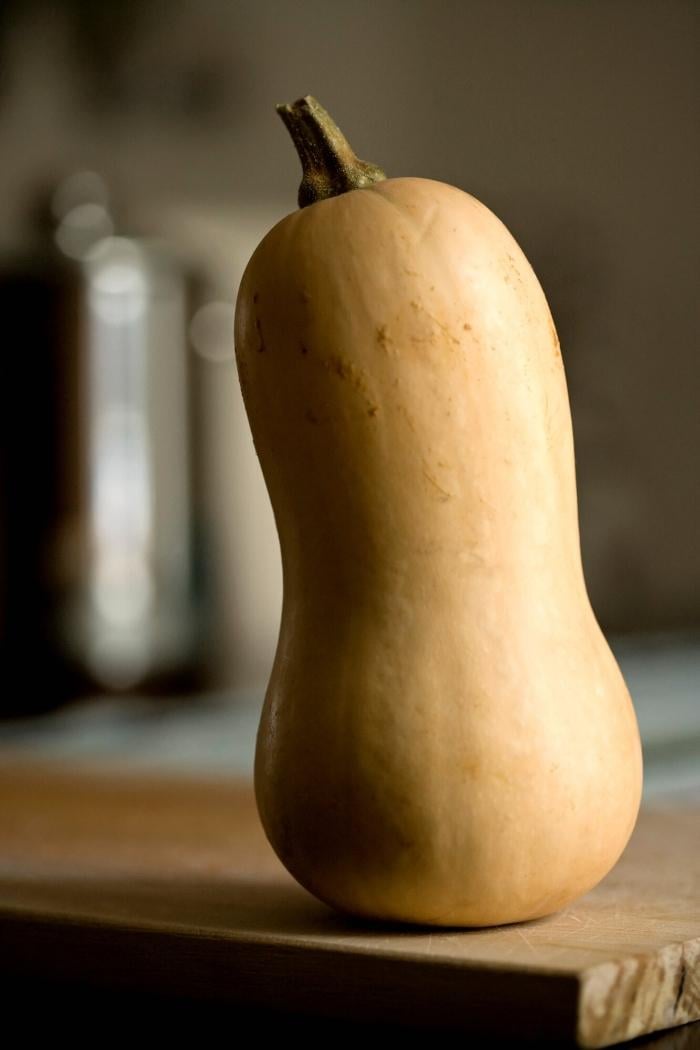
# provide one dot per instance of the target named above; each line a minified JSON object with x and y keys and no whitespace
{"x":474,"y":866}
{"x":421,"y":905}
{"x":391,"y":906}
{"x":470,"y":891}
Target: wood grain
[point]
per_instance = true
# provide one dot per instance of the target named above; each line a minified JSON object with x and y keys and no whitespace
{"x":168,"y":884}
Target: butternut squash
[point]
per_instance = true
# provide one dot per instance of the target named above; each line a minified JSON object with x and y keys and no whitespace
{"x":446,"y":737}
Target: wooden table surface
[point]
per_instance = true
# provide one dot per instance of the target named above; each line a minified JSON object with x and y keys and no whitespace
{"x":168,"y":885}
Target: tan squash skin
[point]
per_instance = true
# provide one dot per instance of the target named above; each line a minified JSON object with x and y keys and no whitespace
{"x":446,"y":737}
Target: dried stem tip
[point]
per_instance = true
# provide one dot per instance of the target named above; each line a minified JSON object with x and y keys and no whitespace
{"x":329,"y":165}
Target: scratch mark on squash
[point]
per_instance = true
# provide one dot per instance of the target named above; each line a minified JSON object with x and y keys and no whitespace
{"x":406,"y":415}
{"x":348,"y":370}
{"x":258,"y":329}
{"x":426,"y":225}
{"x":555,"y":337}
{"x":443,"y":494}
{"x":440,"y":325}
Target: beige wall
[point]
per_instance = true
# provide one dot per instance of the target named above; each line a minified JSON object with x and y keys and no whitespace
{"x":575,"y":120}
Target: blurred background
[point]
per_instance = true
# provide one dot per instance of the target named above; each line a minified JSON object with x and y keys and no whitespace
{"x":142,"y":162}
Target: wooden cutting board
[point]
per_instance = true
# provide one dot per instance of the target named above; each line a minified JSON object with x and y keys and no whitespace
{"x":168,"y":885}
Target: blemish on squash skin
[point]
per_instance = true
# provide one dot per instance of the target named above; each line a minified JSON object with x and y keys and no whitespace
{"x":443,"y":496}
{"x":311,"y":417}
{"x":340,"y":367}
{"x":382,"y":336}
{"x":303,"y":349}
{"x":347,"y":370}
{"x":261,"y":341}
{"x":555,"y":337}
{"x":514,"y":270}
{"x":407,"y":416}
{"x":256,"y":297}
{"x":440,"y":325}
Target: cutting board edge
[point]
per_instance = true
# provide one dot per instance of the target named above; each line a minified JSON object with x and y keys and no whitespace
{"x":313,"y":980}
{"x":638,"y":994}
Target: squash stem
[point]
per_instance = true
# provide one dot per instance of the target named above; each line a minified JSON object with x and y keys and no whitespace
{"x":329,"y":164}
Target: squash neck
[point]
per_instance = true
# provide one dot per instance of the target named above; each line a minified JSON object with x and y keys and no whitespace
{"x":329,"y":164}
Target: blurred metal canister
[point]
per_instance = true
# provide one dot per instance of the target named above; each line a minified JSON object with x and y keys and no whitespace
{"x":101,"y":563}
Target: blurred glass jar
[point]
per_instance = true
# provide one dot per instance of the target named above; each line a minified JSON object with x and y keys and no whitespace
{"x":102,"y":581}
